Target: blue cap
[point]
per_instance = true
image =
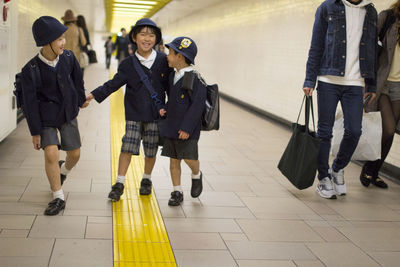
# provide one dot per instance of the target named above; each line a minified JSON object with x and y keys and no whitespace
{"x":184,"y":46}
{"x":149,"y":23}
{"x":46,"y":29}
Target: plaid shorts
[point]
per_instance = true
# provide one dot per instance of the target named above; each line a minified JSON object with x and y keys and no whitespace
{"x":136,"y":131}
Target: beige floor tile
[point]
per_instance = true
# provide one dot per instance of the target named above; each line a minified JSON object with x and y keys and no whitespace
{"x":237,"y":178}
{"x":16,"y":222}
{"x":26,"y":247}
{"x":217,"y":212}
{"x":234,"y":237}
{"x":387,"y":258}
{"x":91,"y":204}
{"x":245,"y":250}
{"x":82,"y":252}
{"x":278,"y":231}
{"x":268,"y":190}
{"x":77,"y":185}
{"x":176,"y":225}
{"x":330,"y":234}
{"x":201,"y":258}
{"x":101,"y":220}
{"x":37,"y":196}
{"x":169,"y":211}
{"x":58,"y":227}
{"x":11,"y":192}
{"x":99,"y":231}
{"x":264,"y":263}
{"x":230,"y":187}
{"x":309,"y":263}
{"x":101,"y":188}
{"x":14,"y":180}
{"x":23,"y":261}
{"x":182,"y":241}
{"x":22,"y":208}
{"x":276,"y":205}
{"x":373,"y":239}
{"x":14,"y":233}
{"x":341,"y":254}
{"x":363,"y":211}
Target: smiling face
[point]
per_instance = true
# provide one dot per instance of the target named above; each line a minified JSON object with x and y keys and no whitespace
{"x":145,"y":40}
{"x":58,"y":44}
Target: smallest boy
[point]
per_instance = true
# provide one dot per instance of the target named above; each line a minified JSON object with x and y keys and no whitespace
{"x":51,"y":105}
{"x":183,"y":118}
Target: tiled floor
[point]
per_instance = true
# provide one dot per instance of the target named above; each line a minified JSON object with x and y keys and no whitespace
{"x":248,"y":215}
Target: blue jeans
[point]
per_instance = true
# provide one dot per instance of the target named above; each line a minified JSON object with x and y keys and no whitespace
{"x":351,"y":100}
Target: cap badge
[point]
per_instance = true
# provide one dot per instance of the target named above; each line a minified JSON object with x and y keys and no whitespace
{"x":185,"y":43}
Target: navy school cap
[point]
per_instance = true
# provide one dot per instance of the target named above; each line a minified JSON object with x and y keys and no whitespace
{"x":184,"y":46}
{"x":46,"y":29}
{"x":149,"y":23}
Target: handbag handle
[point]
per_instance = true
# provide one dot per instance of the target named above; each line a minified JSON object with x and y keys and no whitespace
{"x":309,"y":105}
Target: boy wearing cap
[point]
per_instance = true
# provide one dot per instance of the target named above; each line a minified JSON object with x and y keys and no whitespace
{"x":183,"y":118}
{"x":140,"y":111}
{"x":53,"y":106}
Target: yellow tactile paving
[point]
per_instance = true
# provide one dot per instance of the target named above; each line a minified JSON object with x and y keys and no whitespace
{"x":139,"y":234}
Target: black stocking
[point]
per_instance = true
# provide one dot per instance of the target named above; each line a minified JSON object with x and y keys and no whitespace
{"x":390,"y":113}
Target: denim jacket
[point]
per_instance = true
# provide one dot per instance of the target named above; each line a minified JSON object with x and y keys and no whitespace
{"x":327,"y":55}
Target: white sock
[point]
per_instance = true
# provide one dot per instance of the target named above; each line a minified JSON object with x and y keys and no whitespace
{"x":147,"y":176}
{"x":58,"y":194}
{"x":178,"y":188}
{"x":196,"y":176}
{"x":64,"y":170}
{"x":121,"y":179}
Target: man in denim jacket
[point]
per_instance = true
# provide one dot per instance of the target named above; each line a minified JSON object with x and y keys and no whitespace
{"x":342,"y":58}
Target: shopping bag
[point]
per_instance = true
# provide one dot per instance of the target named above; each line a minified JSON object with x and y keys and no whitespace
{"x":369,"y":145}
{"x":83,"y":60}
{"x":92,"y":55}
{"x":299,"y":162}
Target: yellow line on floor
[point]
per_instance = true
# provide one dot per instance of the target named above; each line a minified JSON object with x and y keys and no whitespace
{"x":139,"y":234}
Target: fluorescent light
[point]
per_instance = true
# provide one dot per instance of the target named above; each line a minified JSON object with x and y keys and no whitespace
{"x":130,"y":10}
{"x":133,"y":6}
{"x":137,"y":2}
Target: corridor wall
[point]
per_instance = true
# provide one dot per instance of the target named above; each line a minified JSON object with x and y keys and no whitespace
{"x":255,"y":50}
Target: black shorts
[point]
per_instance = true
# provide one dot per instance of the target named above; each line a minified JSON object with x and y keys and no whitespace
{"x":180,"y":149}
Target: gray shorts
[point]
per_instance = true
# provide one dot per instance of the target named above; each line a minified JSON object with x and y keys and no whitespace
{"x":136,"y":131}
{"x":69,"y":133}
{"x":180,"y":149}
{"x":392,"y":90}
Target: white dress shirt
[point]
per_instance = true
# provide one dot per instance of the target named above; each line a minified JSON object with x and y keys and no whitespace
{"x":147,"y":62}
{"x":179,"y":74}
{"x":51,"y":63}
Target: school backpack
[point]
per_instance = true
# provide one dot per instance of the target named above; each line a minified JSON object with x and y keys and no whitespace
{"x":210,"y":116}
{"x":36,"y":80}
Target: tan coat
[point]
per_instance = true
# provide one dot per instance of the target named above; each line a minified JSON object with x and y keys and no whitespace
{"x":72,"y":39}
{"x":385,"y":59}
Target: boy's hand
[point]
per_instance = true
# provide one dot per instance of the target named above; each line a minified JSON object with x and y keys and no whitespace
{"x":36,"y":141}
{"x":308,"y":91}
{"x":89,"y":97}
{"x":162,"y":112}
{"x":84,"y":105}
{"x":183,"y":135}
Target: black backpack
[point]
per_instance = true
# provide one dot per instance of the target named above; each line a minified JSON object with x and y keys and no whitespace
{"x":36,"y":80}
{"x":210,"y":116}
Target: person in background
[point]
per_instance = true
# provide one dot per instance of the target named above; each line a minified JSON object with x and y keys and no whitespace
{"x":81,"y":22}
{"x":342,"y":58}
{"x":122,"y":46}
{"x":109,"y":49}
{"x":388,"y":90}
{"x":74,"y":36}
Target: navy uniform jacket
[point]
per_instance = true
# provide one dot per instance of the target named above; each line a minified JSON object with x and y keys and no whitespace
{"x":138,"y":104}
{"x":183,"y":110}
{"x":60,"y":96}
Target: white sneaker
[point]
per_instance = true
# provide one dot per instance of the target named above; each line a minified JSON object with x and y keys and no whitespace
{"x":326,"y":189}
{"x":338,"y":181}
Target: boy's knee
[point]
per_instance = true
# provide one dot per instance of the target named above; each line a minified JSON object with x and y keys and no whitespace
{"x":51,"y":154}
{"x":75,"y":154}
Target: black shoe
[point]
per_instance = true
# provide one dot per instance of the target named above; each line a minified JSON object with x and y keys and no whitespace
{"x":116,"y":191}
{"x":54,"y":207}
{"x":62,"y":176}
{"x":145,"y":187}
{"x":176,"y":198}
{"x":365,"y":179}
{"x":378,"y":182}
{"x":197,"y":186}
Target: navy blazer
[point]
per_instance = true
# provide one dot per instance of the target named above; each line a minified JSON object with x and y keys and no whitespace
{"x":184,"y":110}
{"x":139,"y":106}
{"x":58,"y":99}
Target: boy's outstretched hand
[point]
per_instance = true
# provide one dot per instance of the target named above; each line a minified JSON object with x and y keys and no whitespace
{"x":183,"y":135}
{"x":162,"y":112}
{"x":36,"y":141}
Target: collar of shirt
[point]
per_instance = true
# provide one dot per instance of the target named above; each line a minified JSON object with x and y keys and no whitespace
{"x":51,"y":63}
{"x":147,"y":62}
{"x":179,"y":74}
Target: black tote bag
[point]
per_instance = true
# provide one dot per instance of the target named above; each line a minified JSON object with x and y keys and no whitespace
{"x":299,"y":162}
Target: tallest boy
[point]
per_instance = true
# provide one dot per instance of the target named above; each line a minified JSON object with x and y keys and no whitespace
{"x":342,"y":58}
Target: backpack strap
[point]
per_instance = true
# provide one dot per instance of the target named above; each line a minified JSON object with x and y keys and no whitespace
{"x":145,"y":80}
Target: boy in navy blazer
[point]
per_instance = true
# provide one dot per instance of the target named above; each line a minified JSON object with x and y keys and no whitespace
{"x":183,"y":118}
{"x":53,"y":106}
{"x":140,"y":111}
